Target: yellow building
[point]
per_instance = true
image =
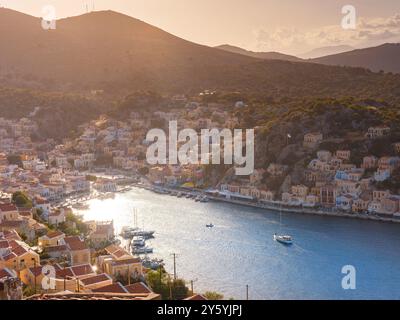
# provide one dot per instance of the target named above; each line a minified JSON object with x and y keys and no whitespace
{"x":119,"y":263}
{"x":54,"y":238}
{"x":17,"y":255}
{"x":79,"y":252}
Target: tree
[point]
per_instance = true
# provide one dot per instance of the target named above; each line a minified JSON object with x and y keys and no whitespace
{"x":20,"y":199}
{"x":143,"y":171}
{"x":104,"y":160}
{"x":14,"y":159}
{"x":91,"y":178}
{"x":161,"y":283}
{"x":212,"y":295}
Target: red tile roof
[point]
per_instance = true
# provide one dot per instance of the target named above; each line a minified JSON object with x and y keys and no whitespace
{"x":196,"y":297}
{"x":10,"y":234}
{"x":4,"y":244}
{"x":138,"y":287}
{"x":41,"y":201}
{"x":19,"y":251}
{"x":67,"y":273}
{"x":75,"y":243}
{"x":12,"y":223}
{"x":5,"y":273}
{"x":126,"y":261}
{"x":56,"y":248}
{"x":10,"y":256}
{"x":82,"y":269}
{"x":7,"y":207}
{"x":36,"y":271}
{"x":93,"y":296}
{"x":54,"y":234}
{"x":95,"y":279}
{"x":113,"y":288}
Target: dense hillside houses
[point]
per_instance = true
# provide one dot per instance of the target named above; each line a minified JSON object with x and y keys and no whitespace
{"x":42,"y":181}
{"x":330,"y":180}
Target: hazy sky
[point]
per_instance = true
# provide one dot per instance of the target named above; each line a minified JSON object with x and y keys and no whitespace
{"x":290,"y":26}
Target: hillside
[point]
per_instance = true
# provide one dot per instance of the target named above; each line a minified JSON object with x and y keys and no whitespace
{"x":382,"y":58}
{"x":259,"y":55}
{"x":56,"y":113}
{"x":120,"y":54}
{"x":325,"y":51}
{"x":102,"y":48}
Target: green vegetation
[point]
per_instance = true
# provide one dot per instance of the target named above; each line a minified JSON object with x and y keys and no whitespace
{"x":59,"y":113}
{"x":143,"y":170}
{"x":73,"y":225}
{"x":392,"y":184}
{"x":14,"y":159}
{"x":20,"y":199}
{"x":91,"y":178}
{"x":212,"y":295}
{"x":169,"y":289}
{"x":104,"y":160}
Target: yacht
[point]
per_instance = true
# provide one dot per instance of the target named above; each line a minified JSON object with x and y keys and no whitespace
{"x":285,"y":239}
{"x":282,"y":238}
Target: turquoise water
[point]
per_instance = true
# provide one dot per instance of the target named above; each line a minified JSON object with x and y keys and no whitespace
{"x":239,"y":250}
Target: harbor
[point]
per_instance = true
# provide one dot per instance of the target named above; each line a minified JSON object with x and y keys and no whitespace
{"x":239,"y":249}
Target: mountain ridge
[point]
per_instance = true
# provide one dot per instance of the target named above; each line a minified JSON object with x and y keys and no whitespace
{"x":385,"y":57}
{"x":261,"y":55}
{"x":120,"y":54}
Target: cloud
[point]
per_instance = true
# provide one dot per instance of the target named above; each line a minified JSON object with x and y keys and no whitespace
{"x":368,"y":32}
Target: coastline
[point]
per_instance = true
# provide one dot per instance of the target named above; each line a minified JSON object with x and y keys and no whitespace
{"x":306,"y":211}
{"x":276,"y":207}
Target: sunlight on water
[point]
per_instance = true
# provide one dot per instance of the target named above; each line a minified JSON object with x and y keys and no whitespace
{"x":239,"y":250}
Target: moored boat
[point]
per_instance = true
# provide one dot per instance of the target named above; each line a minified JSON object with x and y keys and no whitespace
{"x":138,"y":241}
{"x":285,"y":239}
{"x":142,"y":250}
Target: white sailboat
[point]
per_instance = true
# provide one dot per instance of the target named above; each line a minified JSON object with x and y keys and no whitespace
{"x":282,"y":238}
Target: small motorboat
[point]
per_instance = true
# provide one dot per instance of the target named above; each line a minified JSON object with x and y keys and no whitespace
{"x":128,"y":232}
{"x":285,"y":239}
{"x":81,"y":206}
{"x":138,"y":241}
{"x":143,"y":250}
{"x":143,"y":233}
{"x":152,"y":263}
{"x":210,"y":225}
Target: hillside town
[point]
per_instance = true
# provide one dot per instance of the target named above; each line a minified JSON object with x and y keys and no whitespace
{"x":331,"y":181}
{"x":47,"y":251}
{"x":44,"y":242}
